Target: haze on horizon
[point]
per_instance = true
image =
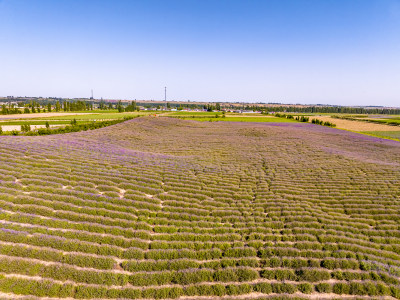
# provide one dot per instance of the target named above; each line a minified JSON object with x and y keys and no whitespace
{"x":306,"y":51}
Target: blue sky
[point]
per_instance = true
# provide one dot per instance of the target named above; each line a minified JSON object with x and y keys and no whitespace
{"x":344,"y":52}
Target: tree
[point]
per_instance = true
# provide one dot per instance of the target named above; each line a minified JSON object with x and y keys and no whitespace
{"x":131,"y":107}
{"x":218,"y":106}
{"x":57,"y":106}
{"x":120,"y":107}
{"x":4,"y":109}
{"x":47,"y":125}
{"x":49,"y":107}
{"x":25,"y":127}
{"x":102,"y":104}
{"x":210,"y":107}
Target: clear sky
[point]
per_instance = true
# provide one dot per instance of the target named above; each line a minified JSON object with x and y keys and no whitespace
{"x":344,"y":52}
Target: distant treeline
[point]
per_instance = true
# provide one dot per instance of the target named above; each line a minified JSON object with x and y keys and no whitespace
{"x":277,"y":108}
{"x":35,"y":107}
{"x":332,"y":109}
{"x":58,"y":104}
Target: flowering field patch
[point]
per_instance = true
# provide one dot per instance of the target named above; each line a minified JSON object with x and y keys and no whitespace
{"x":161,"y":208}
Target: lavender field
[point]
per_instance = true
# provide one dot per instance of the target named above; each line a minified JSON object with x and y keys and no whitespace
{"x":161,"y":208}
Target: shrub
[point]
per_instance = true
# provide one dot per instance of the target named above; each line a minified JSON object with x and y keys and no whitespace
{"x":263,"y":287}
{"x":25,"y":127}
{"x":275,"y":262}
{"x":313,"y":275}
{"x":175,"y":292}
{"x":323,"y":288}
{"x":232,"y":290}
{"x":395,"y":292}
{"x":383,"y":289}
{"x":133,"y":253}
{"x":130,"y":293}
{"x":305,"y":288}
{"x":357,"y":288}
{"x":283,"y":288}
{"x":245,"y":274}
{"x":191,"y":291}
{"x":219,"y":290}
{"x":225,"y":275}
{"x":245,"y":288}
{"x":84,"y":292}
{"x":192,"y":276}
{"x":240,"y":252}
{"x":341,"y":288}
{"x":370,"y":289}
{"x":205,"y":290}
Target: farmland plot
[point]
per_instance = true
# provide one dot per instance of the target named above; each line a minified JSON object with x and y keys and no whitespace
{"x":168,"y":208}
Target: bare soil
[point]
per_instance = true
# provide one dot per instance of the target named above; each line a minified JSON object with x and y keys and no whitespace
{"x":18,"y":127}
{"x":357,"y":125}
{"x":38,"y":115}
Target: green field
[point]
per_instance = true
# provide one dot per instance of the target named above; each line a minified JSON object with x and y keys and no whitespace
{"x":189,"y":114}
{"x":393,"y":120}
{"x":393,"y":135}
{"x":241,"y":119}
{"x":99,"y":116}
{"x":389,"y":121}
{"x":193,"y":113}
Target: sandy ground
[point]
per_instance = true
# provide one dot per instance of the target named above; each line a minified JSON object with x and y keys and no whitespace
{"x":357,"y":125}
{"x":18,"y":127}
{"x":39,"y":115}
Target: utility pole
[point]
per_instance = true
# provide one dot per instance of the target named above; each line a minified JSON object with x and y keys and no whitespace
{"x":165,"y":97}
{"x":92,"y":95}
